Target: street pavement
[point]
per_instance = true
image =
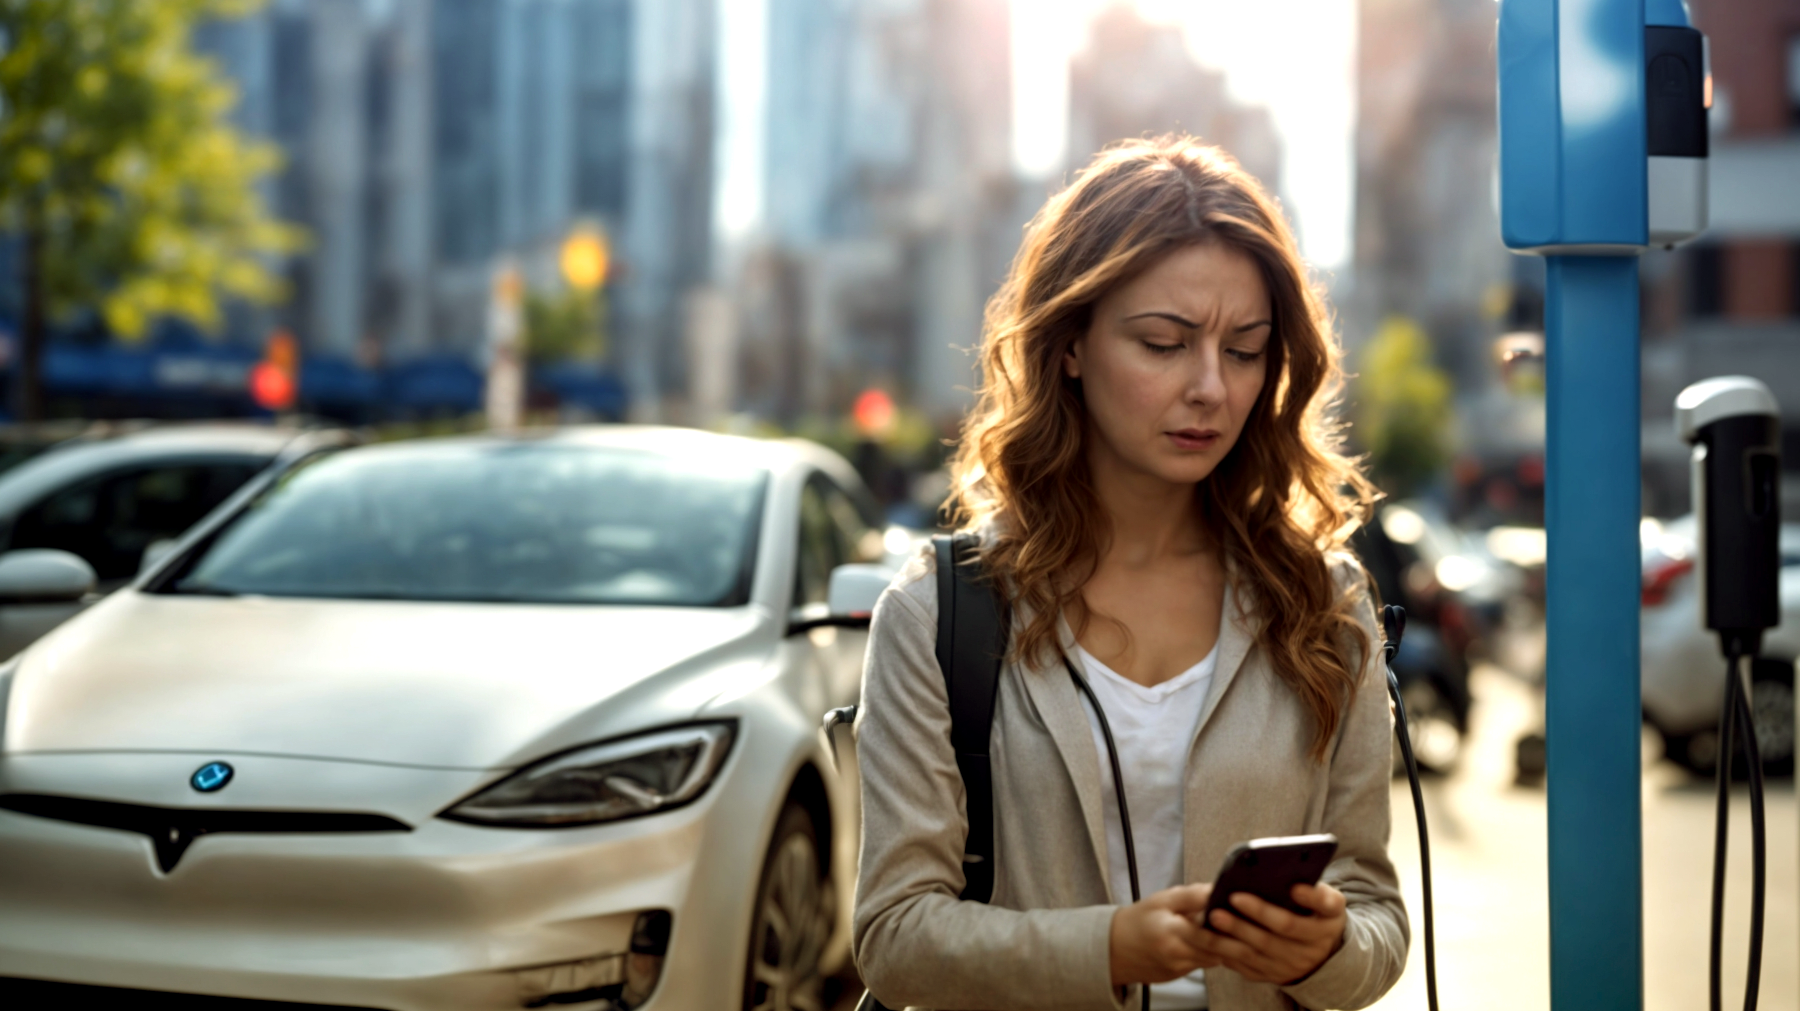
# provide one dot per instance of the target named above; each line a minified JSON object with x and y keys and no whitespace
{"x":1489,"y":873}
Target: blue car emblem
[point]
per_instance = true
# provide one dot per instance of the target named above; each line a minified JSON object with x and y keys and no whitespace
{"x":210,"y":777}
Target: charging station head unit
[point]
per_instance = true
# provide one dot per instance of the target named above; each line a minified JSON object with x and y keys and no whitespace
{"x":1734,"y":425}
{"x":1603,"y":137}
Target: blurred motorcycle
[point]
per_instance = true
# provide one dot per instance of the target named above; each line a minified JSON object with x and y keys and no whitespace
{"x":1397,"y":548}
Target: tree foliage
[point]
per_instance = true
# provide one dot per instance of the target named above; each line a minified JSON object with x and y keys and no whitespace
{"x":120,"y":169}
{"x":564,"y":325}
{"x":1404,"y":412}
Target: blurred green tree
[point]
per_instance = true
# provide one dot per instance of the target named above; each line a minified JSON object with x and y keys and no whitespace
{"x":566,"y":324}
{"x":121,"y":175}
{"x":1403,"y":408}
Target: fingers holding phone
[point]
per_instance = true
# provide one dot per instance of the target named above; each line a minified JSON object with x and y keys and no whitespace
{"x":1271,"y":919}
{"x":1160,"y":937}
{"x":1267,"y":943}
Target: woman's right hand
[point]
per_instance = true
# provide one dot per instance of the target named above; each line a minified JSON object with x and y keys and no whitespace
{"x":1159,"y":938}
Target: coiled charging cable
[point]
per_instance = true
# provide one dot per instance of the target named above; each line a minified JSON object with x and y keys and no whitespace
{"x":1737,"y":727}
{"x":1393,"y":625}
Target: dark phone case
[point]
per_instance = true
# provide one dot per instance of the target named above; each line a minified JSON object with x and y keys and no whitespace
{"x":1269,"y":869}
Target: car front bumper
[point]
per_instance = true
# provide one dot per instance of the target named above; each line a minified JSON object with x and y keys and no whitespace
{"x":445,"y":917}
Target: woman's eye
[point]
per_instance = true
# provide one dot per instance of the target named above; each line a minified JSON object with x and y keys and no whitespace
{"x":1163,"y":349}
{"x":1244,"y":356}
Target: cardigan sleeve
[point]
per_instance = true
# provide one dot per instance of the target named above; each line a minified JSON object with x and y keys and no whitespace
{"x":917,"y":944}
{"x":1356,"y":811}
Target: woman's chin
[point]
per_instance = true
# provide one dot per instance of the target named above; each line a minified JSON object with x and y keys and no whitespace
{"x":1183,"y":468}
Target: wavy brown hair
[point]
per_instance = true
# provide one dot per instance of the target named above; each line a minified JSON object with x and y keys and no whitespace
{"x":1282,"y":500}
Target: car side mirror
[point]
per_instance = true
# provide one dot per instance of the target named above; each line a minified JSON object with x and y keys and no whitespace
{"x":849,"y":599}
{"x":854,"y":589}
{"x":44,"y":576}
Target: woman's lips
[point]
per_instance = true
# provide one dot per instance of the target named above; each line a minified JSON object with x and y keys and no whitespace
{"x":1194,"y":438}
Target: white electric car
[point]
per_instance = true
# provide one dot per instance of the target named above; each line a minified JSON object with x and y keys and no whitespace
{"x":473,"y":723}
{"x":1683,"y":671}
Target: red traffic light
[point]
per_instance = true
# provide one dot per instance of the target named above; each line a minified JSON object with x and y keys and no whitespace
{"x":271,"y":386}
{"x":274,"y":381}
{"x":873,"y":413}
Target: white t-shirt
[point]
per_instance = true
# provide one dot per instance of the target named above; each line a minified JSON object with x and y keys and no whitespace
{"x":1154,"y":730}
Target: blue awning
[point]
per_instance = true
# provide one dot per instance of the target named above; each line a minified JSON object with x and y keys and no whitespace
{"x":181,"y":366}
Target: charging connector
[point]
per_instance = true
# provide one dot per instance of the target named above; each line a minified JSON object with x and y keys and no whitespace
{"x":1734,"y":425}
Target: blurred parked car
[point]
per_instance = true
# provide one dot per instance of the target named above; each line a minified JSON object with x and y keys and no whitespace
{"x":109,"y":500}
{"x":22,"y":441}
{"x":1683,"y":670}
{"x":1432,"y":664}
{"x":466,"y":723}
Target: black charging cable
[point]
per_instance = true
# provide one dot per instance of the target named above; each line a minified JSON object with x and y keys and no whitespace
{"x":1112,"y":754}
{"x":1393,"y":620}
{"x":1393,"y":623}
{"x":1737,"y":731}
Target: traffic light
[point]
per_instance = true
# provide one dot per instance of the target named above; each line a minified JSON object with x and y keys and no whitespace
{"x":873,"y":413}
{"x":275,"y":381}
{"x":585,"y":258}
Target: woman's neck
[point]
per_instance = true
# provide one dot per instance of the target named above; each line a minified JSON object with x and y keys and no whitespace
{"x":1150,"y":518}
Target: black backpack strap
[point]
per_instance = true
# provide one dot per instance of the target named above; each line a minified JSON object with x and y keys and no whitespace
{"x":971,"y":642}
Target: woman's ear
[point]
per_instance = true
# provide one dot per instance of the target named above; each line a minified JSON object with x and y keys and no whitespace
{"x":1071,"y":360}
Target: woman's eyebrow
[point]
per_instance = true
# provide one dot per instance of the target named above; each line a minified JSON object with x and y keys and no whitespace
{"x":1190,"y":324}
{"x":1171,"y":317}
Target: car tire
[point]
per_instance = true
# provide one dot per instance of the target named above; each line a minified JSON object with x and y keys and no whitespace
{"x":792,"y":922}
{"x":1772,"y":711}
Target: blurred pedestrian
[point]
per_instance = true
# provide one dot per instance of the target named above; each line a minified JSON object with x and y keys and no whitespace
{"x":1160,"y":499}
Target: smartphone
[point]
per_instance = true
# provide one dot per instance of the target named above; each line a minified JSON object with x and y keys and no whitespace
{"x":1269,"y":869}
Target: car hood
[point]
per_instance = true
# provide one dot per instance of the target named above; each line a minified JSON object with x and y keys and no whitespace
{"x":448,"y":685}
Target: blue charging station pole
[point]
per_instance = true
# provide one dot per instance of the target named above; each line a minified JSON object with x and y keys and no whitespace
{"x":1578,"y":187}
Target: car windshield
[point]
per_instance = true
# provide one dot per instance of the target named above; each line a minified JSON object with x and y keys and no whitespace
{"x":527,"y":523}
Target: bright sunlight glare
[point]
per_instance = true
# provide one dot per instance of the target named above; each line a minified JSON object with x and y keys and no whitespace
{"x":1297,"y":57}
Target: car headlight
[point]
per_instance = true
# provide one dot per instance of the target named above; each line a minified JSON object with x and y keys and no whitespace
{"x":604,"y":782}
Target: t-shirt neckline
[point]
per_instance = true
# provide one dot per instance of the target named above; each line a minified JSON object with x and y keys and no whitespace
{"x":1200,"y":671}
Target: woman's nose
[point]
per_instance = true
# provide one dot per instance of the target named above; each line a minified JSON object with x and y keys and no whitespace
{"x":1206,"y":383}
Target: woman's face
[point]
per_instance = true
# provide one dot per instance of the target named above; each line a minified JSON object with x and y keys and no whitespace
{"x":1173,"y":362}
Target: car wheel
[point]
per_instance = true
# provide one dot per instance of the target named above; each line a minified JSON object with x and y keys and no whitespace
{"x":795,"y":913}
{"x":1772,"y":712}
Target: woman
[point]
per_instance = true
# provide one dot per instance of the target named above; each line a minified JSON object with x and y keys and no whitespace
{"x":1162,"y":503}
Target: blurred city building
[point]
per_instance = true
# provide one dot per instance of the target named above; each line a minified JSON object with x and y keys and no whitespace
{"x":1426,"y":233}
{"x":1136,"y":78}
{"x":1426,"y":239}
{"x":1730,"y":302}
{"x":428,"y":142}
{"x":890,"y":208}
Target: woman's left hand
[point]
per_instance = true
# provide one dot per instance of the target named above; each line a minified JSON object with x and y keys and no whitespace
{"x":1286,"y":947}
